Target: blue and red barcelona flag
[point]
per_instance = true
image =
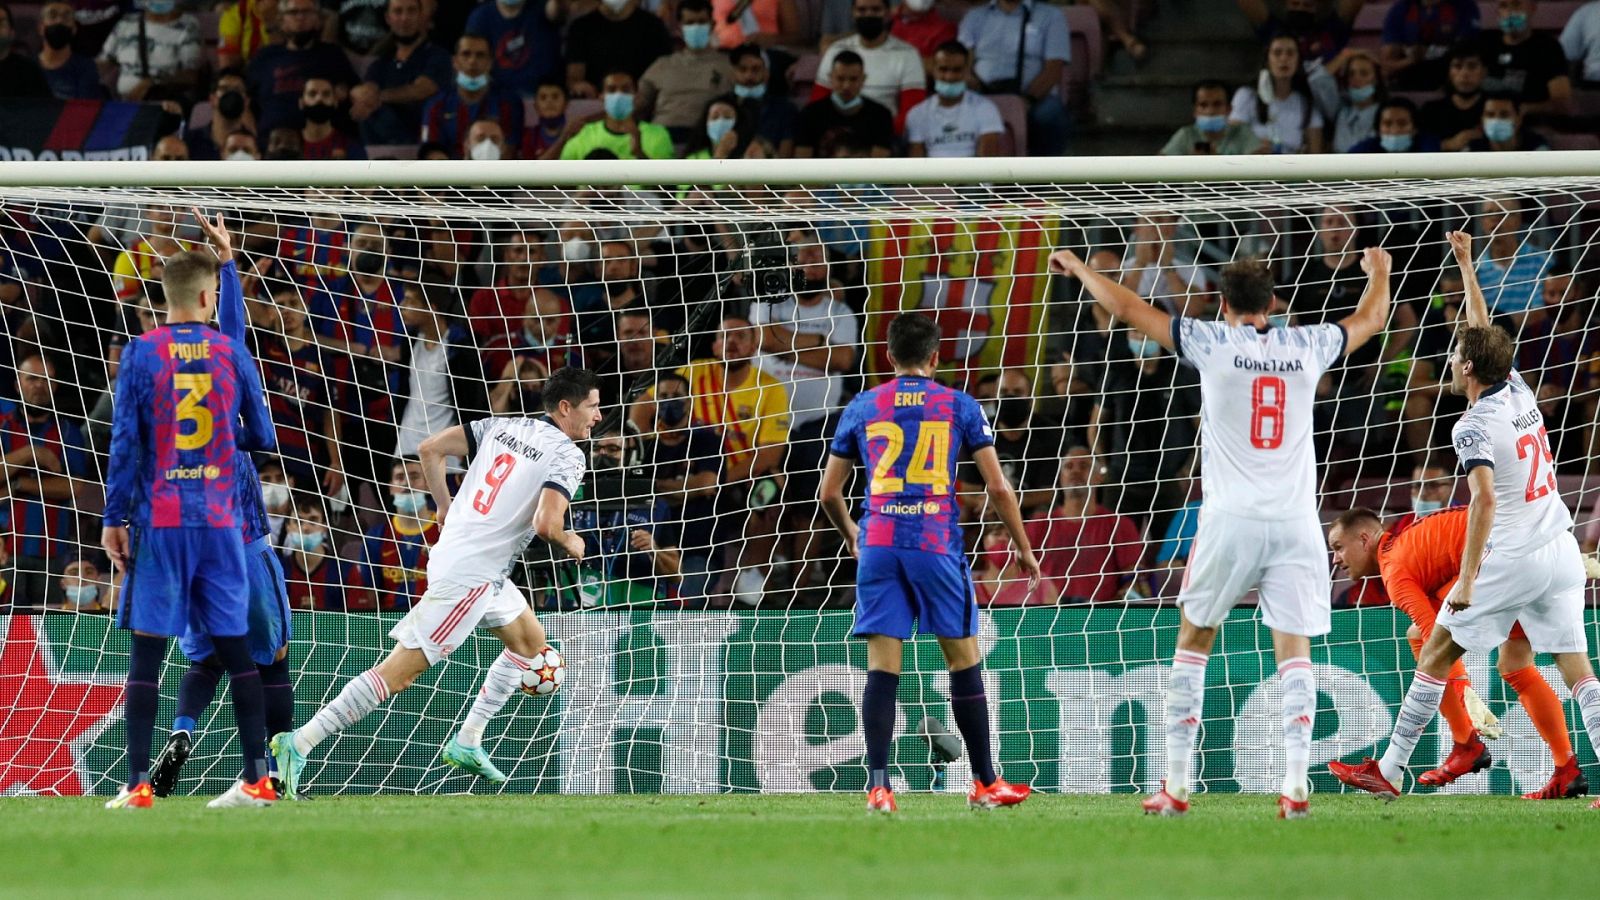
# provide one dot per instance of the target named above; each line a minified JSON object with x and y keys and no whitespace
{"x":77,"y":129}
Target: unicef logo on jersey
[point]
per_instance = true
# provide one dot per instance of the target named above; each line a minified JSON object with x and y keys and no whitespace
{"x":190,"y":473}
{"x":929,"y":508}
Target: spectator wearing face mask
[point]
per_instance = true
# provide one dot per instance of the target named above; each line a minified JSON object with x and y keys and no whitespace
{"x":84,"y":589}
{"x":675,"y":89}
{"x":473,"y":96}
{"x":524,"y":39}
{"x":1279,"y":107}
{"x":954,"y":122}
{"x":1211,"y":132}
{"x":486,"y":141}
{"x":542,"y":137}
{"x":155,"y":52}
{"x":72,"y":76}
{"x":407,"y":71}
{"x":320,"y":136}
{"x":772,"y":111}
{"x":620,"y":132}
{"x":1432,"y":489}
{"x":316,"y":579}
{"x":230,"y":112}
{"x":1028,"y":447}
{"x":394,"y":552}
{"x":276,"y":492}
{"x":1143,"y":428}
{"x":894,"y":73}
{"x":722,"y":136}
{"x":1349,"y":92}
{"x":277,"y":72}
{"x":241,"y":146}
{"x":844,"y":114}
{"x":1502,"y":127}
{"x":922,"y":26}
{"x":685,"y":460}
{"x":441,"y":371}
{"x":1527,"y":64}
{"x":1397,"y":131}
{"x":619,"y":35}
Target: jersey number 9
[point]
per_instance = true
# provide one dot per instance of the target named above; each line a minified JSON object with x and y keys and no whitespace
{"x":194,"y":389}
{"x":930,"y":458}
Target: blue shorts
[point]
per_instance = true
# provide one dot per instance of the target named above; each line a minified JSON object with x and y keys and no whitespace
{"x":183,"y":578}
{"x":898,"y":590}
{"x":269,"y":609}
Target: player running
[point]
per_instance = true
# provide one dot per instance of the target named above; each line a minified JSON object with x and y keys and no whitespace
{"x":1519,"y":564}
{"x":1419,"y":568}
{"x":176,"y":446}
{"x":1258,"y":521}
{"x":522,"y":475}
{"x":269,"y":621}
{"x":910,"y":433}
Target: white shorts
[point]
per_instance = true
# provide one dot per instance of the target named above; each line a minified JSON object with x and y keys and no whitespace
{"x":1542,"y":590}
{"x":444,"y":617}
{"x":1285,"y":559}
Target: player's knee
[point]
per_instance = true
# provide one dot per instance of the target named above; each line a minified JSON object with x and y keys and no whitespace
{"x":1514,"y":656}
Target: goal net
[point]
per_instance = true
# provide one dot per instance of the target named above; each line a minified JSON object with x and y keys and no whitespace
{"x":731,"y":311}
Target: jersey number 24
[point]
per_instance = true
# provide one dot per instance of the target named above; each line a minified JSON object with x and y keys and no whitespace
{"x":930,"y":458}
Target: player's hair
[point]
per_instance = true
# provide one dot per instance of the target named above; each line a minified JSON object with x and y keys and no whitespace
{"x":1489,"y":349}
{"x":1352,"y":518}
{"x":569,"y":384}
{"x":1247,"y":286}
{"x":913,"y":338}
{"x":186,"y":275}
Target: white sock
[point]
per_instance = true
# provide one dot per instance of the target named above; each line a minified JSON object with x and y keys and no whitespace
{"x":1416,"y":712}
{"x":1299,"y":684}
{"x":1587,"y":693}
{"x":503,"y":679}
{"x":1186,"y":689}
{"x":361,"y":695}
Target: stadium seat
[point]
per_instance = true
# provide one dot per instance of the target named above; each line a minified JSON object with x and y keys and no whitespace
{"x":804,"y":72}
{"x":1015,"y":115}
{"x":1084,"y":23}
{"x":1573,"y":141}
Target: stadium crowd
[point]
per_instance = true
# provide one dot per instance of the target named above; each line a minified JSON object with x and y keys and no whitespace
{"x":373,"y":331}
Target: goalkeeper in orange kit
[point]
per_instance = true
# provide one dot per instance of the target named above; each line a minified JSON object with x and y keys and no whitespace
{"x":1419,"y":567}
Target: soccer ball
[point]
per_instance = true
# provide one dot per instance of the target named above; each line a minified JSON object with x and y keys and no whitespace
{"x":546,"y":671}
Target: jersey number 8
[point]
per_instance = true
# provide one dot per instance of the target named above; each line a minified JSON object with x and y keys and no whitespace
{"x":1267,"y":396}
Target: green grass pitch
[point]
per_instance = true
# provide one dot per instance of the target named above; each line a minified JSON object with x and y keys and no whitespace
{"x":546,"y":846}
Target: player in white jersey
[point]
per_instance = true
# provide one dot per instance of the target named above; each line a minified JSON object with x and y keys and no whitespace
{"x":521,"y":477}
{"x":1258,"y":519}
{"x":1520,"y":563}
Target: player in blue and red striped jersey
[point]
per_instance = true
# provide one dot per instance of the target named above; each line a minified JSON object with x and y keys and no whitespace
{"x":176,"y":438}
{"x":910,"y":433}
{"x":270,"y":630}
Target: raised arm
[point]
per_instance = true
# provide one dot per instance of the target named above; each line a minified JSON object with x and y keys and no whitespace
{"x":230,"y":294}
{"x":1475,"y":307}
{"x":1121,"y":303}
{"x":1372,"y":313}
{"x":1004,"y":500}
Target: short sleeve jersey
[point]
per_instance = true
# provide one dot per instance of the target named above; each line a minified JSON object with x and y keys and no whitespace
{"x":1257,"y":388}
{"x":1505,"y":431}
{"x":910,"y":433}
{"x":491,"y":520}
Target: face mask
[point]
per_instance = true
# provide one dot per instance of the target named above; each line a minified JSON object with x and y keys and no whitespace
{"x":58,"y":36}
{"x":471,"y":82}
{"x":869,"y":27}
{"x":1514,"y":22}
{"x":1210,"y":124}
{"x":368,"y":263}
{"x":241,"y":156}
{"x":697,"y":36}
{"x":1395,"y":143}
{"x":230,"y":104}
{"x":275,"y":524}
{"x":1422,"y":507}
{"x":950,"y":90}
{"x":319,"y":113}
{"x":1362,"y":94}
{"x":410,"y":503}
{"x":607,"y":461}
{"x":1143,"y":347}
{"x":1281,"y":320}
{"x":998,"y":558}
{"x":750,"y":91}
{"x":575,"y":250}
{"x":716,"y":129}
{"x":1014,"y":411}
{"x":273,"y":494}
{"x":919,"y":6}
{"x":619,"y":105}
{"x":308,"y":541}
{"x":845,"y":105}
{"x":485,"y":150}
{"x":1299,"y":21}
{"x":673,"y":411}
{"x":81,"y":595}
{"x":160,"y":7}
{"x":1499,"y":131}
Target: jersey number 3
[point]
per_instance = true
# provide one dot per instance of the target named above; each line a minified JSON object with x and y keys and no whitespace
{"x":930,"y":459}
{"x":194,"y":389}
{"x":1267,"y":396}
{"x":1536,"y":446}
{"x":499,"y":471}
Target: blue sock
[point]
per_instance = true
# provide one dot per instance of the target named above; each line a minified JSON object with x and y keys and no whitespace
{"x":195,"y":692}
{"x":279,"y":694}
{"x":143,"y":693}
{"x":877,"y":720}
{"x":248,"y":705}
{"x":971,"y":709}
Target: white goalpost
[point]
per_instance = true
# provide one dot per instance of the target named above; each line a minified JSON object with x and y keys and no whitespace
{"x":731,"y":309}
